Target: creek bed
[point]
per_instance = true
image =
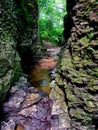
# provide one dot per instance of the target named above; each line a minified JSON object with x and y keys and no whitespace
{"x":28,"y":109}
{"x":39,"y":74}
{"x":40,"y":79}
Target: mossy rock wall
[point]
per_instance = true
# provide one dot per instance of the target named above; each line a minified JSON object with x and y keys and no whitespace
{"x":18,"y":39}
{"x":78,"y":66}
{"x":9,"y":59}
{"x":27,"y":27}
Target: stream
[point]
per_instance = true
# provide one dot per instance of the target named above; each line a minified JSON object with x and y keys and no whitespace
{"x":40,"y":79}
{"x":35,"y":105}
{"x":39,"y":74}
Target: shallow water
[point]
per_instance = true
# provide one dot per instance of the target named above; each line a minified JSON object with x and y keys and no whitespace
{"x":40,"y":79}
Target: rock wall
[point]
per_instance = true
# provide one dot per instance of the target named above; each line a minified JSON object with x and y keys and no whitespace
{"x":27,"y":27}
{"x":78,"y":65}
{"x":18,"y":36}
{"x":9,"y":58}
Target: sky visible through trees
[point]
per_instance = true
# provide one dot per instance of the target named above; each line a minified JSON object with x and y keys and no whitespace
{"x":51,"y":14}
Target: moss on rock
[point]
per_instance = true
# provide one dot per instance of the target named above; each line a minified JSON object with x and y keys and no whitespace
{"x":18,"y":36}
{"x":79,"y":64}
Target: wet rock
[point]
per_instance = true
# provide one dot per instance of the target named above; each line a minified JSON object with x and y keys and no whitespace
{"x":10,"y":125}
{"x":31,"y":99}
{"x":14,"y":103}
{"x":23,"y":105}
{"x":27,"y":109}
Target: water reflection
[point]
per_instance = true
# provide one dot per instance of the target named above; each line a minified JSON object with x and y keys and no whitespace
{"x":40,"y":79}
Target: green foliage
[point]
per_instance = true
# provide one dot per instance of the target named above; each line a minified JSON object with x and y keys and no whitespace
{"x":51,"y":13}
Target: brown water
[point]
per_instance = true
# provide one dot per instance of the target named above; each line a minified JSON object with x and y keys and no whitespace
{"x":40,"y":79}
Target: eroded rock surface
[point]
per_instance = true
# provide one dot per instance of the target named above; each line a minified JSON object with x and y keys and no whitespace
{"x":78,"y":65}
{"x":18,"y":36}
{"x":9,"y":58}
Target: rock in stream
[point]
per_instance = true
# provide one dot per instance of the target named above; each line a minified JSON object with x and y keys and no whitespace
{"x":27,"y":109}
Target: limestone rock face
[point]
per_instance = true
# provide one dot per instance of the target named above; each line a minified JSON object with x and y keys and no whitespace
{"x":18,"y":39}
{"x":9,"y":58}
{"x":78,"y":67}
